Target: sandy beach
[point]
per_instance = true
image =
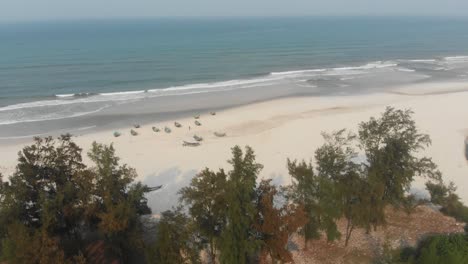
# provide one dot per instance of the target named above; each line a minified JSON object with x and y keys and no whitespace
{"x":277,"y":130}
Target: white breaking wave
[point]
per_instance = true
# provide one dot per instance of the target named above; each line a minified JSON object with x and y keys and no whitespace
{"x":55,"y":116}
{"x":457,"y":58}
{"x":53,"y":109}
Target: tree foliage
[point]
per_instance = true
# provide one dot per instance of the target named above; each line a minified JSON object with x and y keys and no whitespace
{"x":175,"y":240}
{"x":238,"y":242}
{"x":275,"y":224}
{"x":439,"y":249}
{"x":52,"y":200}
{"x":206,"y":198}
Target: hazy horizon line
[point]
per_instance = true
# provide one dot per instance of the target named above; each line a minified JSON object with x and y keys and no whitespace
{"x":211,"y":17}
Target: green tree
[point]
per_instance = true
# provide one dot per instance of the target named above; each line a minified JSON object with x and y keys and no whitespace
{"x":304,"y":191}
{"x":175,"y":240}
{"x":391,"y":144}
{"x":237,"y":240}
{"x":445,"y":196}
{"x":119,"y":202}
{"x":439,"y":249}
{"x":206,"y":198}
{"x":43,"y":202}
{"x":347,"y":187}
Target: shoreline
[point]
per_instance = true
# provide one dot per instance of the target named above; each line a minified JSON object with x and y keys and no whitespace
{"x":277,"y":129}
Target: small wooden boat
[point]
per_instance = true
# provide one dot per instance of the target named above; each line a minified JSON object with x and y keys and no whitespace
{"x":212,"y":113}
{"x":466,"y":148}
{"x":219,"y":134}
{"x":136,"y":126}
{"x":148,"y":189}
{"x":197,"y":123}
{"x":117,"y":134}
{"x":196,"y":117}
{"x":197,"y":138}
{"x":133,"y":132}
{"x":190,"y":144}
{"x":167,"y":130}
{"x":155,"y":129}
{"x":176,"y":124}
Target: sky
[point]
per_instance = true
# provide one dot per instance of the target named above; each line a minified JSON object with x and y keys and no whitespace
{"x":30,"y":10}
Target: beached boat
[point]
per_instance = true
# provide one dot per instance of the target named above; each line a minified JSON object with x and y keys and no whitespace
{"x":155,"y":129}
{"x":212,"y":113}
{"x":190,"y":144}
{"x":466,"y":148}
{"x":136,"y":126}
{"x":167,"y":130}
{"x":219,"y":134}
{"x":133,"y":132}
{"x":196,"y":117}
{"x":197,"y":138}
{"x":117,"y":134}
{"x":148,"y":189}
{"x":197,"y":123}
{"x":176,"y":124}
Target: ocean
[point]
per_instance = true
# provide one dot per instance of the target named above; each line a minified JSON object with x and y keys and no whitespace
{"x":72,"y":75}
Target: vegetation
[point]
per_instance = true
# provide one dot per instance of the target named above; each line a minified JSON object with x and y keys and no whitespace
{"x":439,"y":249}
{"x":445,"y":196}
{"x":54,"y":205}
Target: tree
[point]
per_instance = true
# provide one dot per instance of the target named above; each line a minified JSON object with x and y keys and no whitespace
{"x":206,"y":198}
{"x":390,"y":144}
{"x":119,"y":202}
{"x":275,"y":225}
{"x":237,"y":240}
{"x":438,"y":249}
{"x":175,"y":241}
{"x":348,"y":188}
{"x":304,"y":191}
{"x":445,"y":196}
{"x":43,"y":201}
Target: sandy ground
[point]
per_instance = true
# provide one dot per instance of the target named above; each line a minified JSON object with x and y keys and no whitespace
{"x":281,"y":129}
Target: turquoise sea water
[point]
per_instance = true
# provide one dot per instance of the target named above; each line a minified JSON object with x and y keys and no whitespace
{"x":59,"y":70}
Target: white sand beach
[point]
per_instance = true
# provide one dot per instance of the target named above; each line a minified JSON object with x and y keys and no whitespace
{"x":281,"y":129}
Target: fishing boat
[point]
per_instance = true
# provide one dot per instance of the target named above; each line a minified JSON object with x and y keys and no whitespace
{"x":136,"y":126}
{"x":466,"y":148}
{"x":212,"y":113}
{"x":197,"y":123}
{"x":167,"y":130}
{"x":190,"y":144}
{"x":155,"y":129}
{"x":117,"y":134}
{"x":176,"y":124}
{"x":133,"y":132}
{"x":219,"y":134}
{"x":196,"y":117}
{"x":197,"y":138}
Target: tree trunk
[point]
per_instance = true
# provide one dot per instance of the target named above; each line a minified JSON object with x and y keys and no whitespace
{"x":349,"y":230}
{"x":212,"y":251}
